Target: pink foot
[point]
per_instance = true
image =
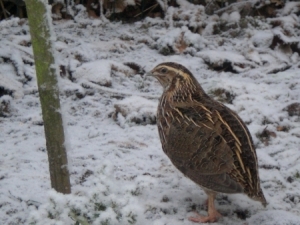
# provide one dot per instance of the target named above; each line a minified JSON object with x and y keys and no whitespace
{"x":212,"y":217}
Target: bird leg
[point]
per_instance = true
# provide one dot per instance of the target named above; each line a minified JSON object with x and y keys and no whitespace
{"x":213,"y":214}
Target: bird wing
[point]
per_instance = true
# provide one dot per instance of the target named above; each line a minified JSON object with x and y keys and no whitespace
{"x":202,"y":142}
{"x":196,"y":141}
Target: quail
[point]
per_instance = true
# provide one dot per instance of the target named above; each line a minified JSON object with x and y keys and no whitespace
{"x":204,"y":139}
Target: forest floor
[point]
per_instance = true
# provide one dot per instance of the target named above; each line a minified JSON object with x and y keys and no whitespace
{"x":119,"y":173}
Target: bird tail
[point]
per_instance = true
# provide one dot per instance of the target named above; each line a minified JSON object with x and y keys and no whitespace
{"x":260,"y":197}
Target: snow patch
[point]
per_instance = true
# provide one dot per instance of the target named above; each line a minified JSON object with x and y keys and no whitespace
{"x":135,"y":110}
{"x":97,"y":72}
{"x":9,"y":84}
{"x":262,"y":39}
{"x":274,"y":217}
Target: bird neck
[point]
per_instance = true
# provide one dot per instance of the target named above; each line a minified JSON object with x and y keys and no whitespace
{"x":184,"y":94}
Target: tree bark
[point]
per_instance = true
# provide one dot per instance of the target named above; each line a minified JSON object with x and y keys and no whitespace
{"x":40,"y":23}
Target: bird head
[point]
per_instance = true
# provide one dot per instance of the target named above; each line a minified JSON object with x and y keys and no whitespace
{"x":173,"y":76}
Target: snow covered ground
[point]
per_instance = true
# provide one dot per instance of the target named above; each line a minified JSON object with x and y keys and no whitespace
{"x":119,"y":173}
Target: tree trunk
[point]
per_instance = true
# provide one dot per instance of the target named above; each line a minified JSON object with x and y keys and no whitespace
{"x":42,"y":36}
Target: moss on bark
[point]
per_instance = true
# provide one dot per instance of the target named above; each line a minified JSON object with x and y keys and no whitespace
{"x":47,"y":75}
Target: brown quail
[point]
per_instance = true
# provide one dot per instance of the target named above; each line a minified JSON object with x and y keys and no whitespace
{"x":204,"y":139}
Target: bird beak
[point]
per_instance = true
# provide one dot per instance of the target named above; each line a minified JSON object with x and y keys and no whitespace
{"x":149,"y":74}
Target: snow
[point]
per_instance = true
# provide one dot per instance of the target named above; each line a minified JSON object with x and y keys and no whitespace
{"x":8,"y":81}
{"x":234,"y":17}
{"x":135,"y":109}
{"x":275,"y":217}
{"x":217,"y":58}
{"x":89,"y":72}
{"x":262,"y":39}
{"x":119,"y":173}
{"x":290,"y":7}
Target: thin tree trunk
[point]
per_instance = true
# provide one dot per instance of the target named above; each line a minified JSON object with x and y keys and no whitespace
{"x":40,"y":24}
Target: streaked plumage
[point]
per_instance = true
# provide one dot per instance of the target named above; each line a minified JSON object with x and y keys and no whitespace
{"x":205,"y":140}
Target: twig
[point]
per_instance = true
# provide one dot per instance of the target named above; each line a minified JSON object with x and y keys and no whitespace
{"x":151,"y":7}
{"x":3,"y":9}
{"x":26,"y":50}
{"x":116,"y":93}
{"x":231,"y":6}
{"x":28,"y":202}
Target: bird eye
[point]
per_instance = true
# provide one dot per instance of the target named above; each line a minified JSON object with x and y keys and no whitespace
{"x":163,"y":70}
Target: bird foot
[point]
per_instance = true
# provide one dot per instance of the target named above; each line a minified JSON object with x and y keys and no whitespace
{"x":212,"y":217}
